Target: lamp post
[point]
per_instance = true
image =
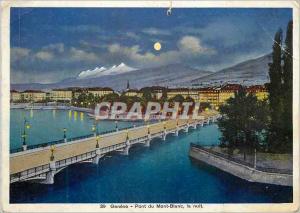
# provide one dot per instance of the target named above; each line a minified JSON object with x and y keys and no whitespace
{"x":116,"y":126}
{"x":148,"y":128}
{"x":97,"y":140}
{"x":127,"y":136}
{"x":65,"y":136}
{"x":52,"y":153}
{"x":24,"y":135}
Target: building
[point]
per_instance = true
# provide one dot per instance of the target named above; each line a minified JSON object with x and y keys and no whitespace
{"x":259,"y":91}
{"x":15,"y":96}
{"x":76,"y":91}
{"x":227,"y":91}
{"x":133,"y":93}
{"x":100,"y":91}
{"x":61,"y":95}
{"x":184,"y":92}
{"x":209,"y":95}
{"x":33,"y":95}
{"x":156,"y":91}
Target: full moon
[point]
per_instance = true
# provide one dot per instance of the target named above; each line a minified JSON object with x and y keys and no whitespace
{"x":157,"y":46}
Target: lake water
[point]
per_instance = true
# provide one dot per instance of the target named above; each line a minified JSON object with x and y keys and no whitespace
{"x":161,"y":173}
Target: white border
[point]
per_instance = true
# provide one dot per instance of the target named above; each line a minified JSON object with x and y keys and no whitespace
{"x":4,"y":98}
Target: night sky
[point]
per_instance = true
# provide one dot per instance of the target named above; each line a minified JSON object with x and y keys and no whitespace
{"x":51,"y":44}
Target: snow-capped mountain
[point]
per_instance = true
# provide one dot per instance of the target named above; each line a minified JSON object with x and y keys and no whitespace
{"x":101,"y":71}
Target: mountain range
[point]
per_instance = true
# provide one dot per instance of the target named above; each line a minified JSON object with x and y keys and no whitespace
{"x":102,"y":71}
{"x":254,"y":71}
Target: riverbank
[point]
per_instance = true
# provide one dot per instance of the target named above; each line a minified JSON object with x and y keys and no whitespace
{"x":28,"y":106}
{"x":259,"y":172}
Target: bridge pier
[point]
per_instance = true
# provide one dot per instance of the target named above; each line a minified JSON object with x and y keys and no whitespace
{"x":126,"y":149}
{"x":214,"y":119}
{"x":177,"y":131}
{"x":147,"y":142}
{"x":186,"y":128}
{"x":194,"y":126}
{"x":96,"y":159}
{"x":24,"y":147}
{"x":50,"y":174}
{"x":164,"y":135}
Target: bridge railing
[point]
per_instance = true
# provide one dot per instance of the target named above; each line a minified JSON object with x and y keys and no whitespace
{"x":16,"y":150}
{"x":80,"y":137}
{"x":75,"y":159}
{"x":35,"y":146}
{"x":33,"y":172}
{"x":242,"y":162}
{"x":29,"y":173}
{"x":42,"y":145}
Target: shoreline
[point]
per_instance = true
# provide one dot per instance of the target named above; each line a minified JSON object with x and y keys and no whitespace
{"x":27,"y":106}
{"x":240,"y":169}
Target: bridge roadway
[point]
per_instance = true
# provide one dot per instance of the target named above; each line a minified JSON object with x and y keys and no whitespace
{"x":41,"y":164}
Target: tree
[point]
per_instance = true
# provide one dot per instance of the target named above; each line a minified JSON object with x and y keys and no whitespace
{"x":243,"y":120}
{"x":281,"y":93}
{"x":189,"y":99}
{"x":164,"y":96}
{"x":204,"y":105}
{"x":147,"y":95}
{"x":275,"y":137}
{"x":112,"y":97}
{"x":177,"y":98}
{"x":288,"y":87}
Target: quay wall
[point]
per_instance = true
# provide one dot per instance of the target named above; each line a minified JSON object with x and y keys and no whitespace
{"x":239,"y":170}
{"x":50,"y":107}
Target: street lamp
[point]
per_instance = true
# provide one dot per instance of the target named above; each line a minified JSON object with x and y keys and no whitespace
{"x":24,"y":135}
{"x":52,"y":153}
{"x":148,"y":127}
{"x":97,"y":140}
{"x":65,"y":136}
{"x":116,"y":126}
{"x":127,"y":137}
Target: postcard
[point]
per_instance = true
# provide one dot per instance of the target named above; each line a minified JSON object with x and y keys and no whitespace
{"x":152,"y":106}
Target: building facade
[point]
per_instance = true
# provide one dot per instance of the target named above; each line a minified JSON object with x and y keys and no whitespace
{"x":15,"y":96}
{"x":227,"y":91}
{"x":33,"y":95}
{"x":100,"y":91}
{"x":209,"y":95}
{"x":133,"y":93}
{"x":259,"y":91}
{"x":60,"y":95}
{"x":184,"y":92}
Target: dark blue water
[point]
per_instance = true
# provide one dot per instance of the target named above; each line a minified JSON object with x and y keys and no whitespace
{"x":160,"y":173}
{"x":48,"y":125}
